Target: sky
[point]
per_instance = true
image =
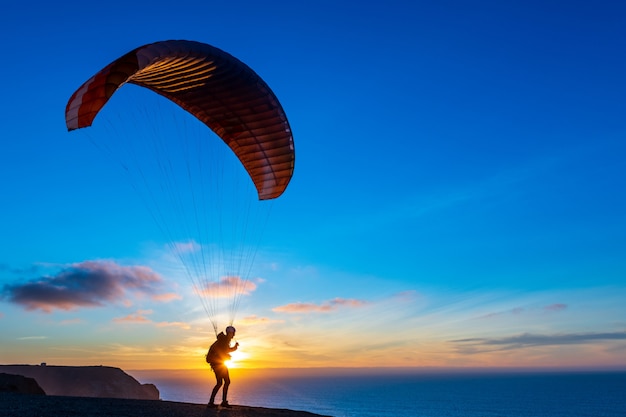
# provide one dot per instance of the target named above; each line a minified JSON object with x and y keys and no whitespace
{"x":458,"y":198}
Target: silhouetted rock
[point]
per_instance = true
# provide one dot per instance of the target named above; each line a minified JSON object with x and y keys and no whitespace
{"x":85,"y":381}
{"x":19,"y":384}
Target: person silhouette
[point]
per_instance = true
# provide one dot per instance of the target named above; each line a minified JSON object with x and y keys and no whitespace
{"x":218,"y":354}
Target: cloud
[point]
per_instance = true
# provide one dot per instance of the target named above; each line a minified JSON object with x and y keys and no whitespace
{"x":552,"y":308}
{"x":407,"y":296}
{"x":514,"y":311}
{"x":227,"y":287}
{"x":166,"y":297}
{"x":555,"y":307}
{"x":186,"y":247}
{"x":138,"y":317}
{"x":179,"y":324}
{"x":256,"y":320}
{"x":325,"y":307}
{"x":85,"y":284}
{"x":480,"y":345}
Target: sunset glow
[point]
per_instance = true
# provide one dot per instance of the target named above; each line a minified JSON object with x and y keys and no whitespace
{"x":238,"y":358}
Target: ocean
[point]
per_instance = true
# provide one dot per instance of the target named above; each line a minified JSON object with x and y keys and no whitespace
{"x":414,"y":394}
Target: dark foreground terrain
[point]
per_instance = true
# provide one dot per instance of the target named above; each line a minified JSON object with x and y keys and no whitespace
{"x":27,"y":405}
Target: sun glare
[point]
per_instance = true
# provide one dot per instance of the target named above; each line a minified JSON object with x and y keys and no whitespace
{"x":237,"y":359}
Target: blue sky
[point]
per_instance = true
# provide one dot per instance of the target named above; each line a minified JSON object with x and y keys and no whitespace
{"x":458,"y":197}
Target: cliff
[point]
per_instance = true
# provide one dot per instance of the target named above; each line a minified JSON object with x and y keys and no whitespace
{"x":85,"y":381}
{"x":19,"y":384}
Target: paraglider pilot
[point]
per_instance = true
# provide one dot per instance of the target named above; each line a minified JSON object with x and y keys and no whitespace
{"x":217,"y":355}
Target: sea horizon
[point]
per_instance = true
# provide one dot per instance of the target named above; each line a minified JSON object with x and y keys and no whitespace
{"x":423,"y":391}
{"x":359,"y":370}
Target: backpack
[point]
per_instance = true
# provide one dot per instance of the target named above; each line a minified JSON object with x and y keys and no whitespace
{"x":211,"y":355}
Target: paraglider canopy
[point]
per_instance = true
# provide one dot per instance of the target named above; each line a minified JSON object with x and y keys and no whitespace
{"x":215,"y":87}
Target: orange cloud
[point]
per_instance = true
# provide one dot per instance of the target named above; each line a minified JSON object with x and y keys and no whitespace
{"x":325,"y":307}
{"x":253,"y":319}
{"x":227,"y":287}
{"x":138,"y":317}
{"x":166,"y":297}
{"x":132,"y":318}
{"x":179,"y":324}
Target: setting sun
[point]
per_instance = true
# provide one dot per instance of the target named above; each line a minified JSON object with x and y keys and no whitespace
{"x":237,"y":359}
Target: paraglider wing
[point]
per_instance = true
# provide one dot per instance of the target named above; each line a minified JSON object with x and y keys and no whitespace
{"x":218,"y":89}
